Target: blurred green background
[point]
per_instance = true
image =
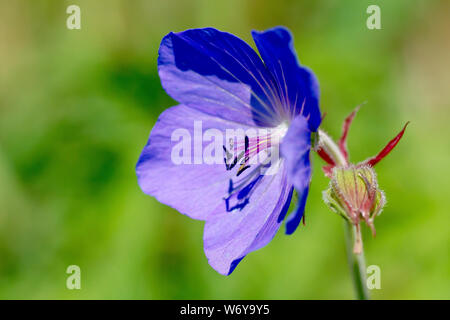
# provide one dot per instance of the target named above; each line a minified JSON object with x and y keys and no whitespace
{"x":76,"y":108}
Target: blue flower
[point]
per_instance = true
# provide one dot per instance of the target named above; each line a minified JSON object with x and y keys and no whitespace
{"x":221,"y":83}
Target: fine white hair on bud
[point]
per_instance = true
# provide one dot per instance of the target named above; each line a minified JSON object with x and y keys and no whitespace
{"x":354,"y":194}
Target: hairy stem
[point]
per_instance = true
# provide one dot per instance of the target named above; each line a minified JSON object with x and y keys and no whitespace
{"x":356,"y":263}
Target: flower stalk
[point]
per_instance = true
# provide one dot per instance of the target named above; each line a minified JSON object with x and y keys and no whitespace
{"x":354,"y":194}
{"x":356,"y":261}
{"x":353,"y":240}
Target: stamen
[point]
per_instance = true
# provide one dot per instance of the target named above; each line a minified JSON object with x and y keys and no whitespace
{"x":241,"y":170}
{"x":242,"y":192}
{"x":242,"y":188}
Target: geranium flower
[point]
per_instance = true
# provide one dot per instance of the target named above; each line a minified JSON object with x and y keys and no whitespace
{"x":221,"y":83}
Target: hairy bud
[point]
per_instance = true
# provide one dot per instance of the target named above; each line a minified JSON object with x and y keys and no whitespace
{"x":354,"y":194}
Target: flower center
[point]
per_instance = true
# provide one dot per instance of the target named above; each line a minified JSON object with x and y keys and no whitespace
{"x":252,"y":157}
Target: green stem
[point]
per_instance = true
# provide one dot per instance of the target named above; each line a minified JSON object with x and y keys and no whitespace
{"x":356,"y":261}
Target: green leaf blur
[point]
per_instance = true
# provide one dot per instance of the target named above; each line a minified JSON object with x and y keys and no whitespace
{"x":76,"y":108}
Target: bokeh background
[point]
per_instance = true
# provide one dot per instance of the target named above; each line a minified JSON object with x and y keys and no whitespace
{"x":76,"y":108}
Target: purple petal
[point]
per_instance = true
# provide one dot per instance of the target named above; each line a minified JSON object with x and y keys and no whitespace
{"x":229,"y":236}
{"x":295,"y":149}
{"x":219,"y":74}
{"x":295,"y":217}
{"x":298,"y":85}
{"x":193,"y":189}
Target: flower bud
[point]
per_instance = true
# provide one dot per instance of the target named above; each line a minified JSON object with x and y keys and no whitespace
{"x":354,"y":194}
